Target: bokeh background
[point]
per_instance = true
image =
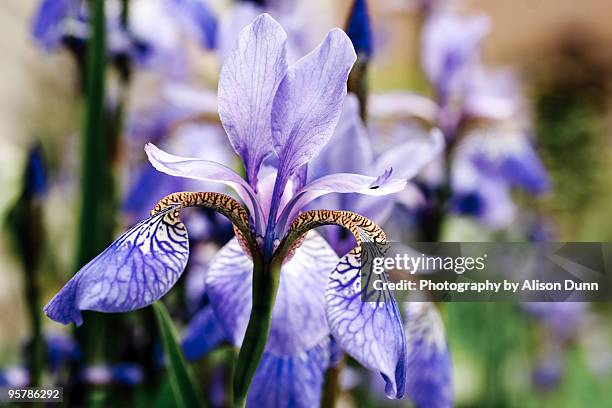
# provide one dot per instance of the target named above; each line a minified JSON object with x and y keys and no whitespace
{"x":502,"y":355}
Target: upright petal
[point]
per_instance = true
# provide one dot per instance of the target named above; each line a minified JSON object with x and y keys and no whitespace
{"x":204,"y":170}
{"x":203,"y":333}
{"x":298,"y":318}
{"x":428,"y":380}
{"x":249,"y":80}
{"x":291,"y":381}
{"x":133,"y":272}
{"x":371,"y":332}
{"x":309,"y":100}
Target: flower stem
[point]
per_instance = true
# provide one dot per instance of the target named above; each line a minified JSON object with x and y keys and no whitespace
{"x":265,"y":285}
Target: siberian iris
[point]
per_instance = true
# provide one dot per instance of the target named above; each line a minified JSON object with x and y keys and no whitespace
{"x":277,"y":118}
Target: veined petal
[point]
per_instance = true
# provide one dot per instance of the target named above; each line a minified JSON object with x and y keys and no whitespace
{"x":249,"y":80}
{"x":203,"y":333}
{"x":135,"y":271}
{"x":371,"y":332}
{"x":410,"y":157}
{"x":291,"y":381}
{"x":428,"y":381}
{"x":309,"y":100}
{"x":298,"y":318}
{"x":368,"y":329}
{"x":204,"y":170}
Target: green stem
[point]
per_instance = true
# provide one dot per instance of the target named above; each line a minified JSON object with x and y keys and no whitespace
{"x":265,"y":285}
{"x":37,"y":347}
{"x":94,"y":172}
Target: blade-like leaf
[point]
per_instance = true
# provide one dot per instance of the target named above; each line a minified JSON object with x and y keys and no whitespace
{"x":181,"y":377}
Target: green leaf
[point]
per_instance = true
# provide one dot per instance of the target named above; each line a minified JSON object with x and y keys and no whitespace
{"x":181,"y":377}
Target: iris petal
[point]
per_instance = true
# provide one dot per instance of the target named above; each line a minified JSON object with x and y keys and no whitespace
{"x":249,"y":80}
{"x":47,"y":25}
{"x":410,"y":157}
{"x":428,"y":382}
{"x":291,"y":381}
{"x":133,"y":272}
{"x":371,"y":332}
{"x":340,"y":183}
{"x":309,"y":100}
{"x":203,"y":170}
{"x":203,"y":333}
{"x":298,"y":318}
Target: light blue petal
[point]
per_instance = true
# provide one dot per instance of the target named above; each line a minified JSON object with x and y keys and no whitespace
{"x":47,"y":25}
{"x":291,"y":381}
{"x":203,"y":333}
{"x":308,"y":102}
{"x":298,"y":317}
{"x":371,"y":332}
{"x":428,"y":381}
{"x":249,"y":80}
{"x":133,"y":272}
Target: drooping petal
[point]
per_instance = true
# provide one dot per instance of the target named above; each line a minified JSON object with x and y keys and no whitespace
{"x":203,"y":170}
{"x":203,"y":333}
{"x":509,"y":155}
{"x":428,"y":380}
{"x":309,"y":100}
{"x":298,"y":318}
{"x":412,"y":156}
{"x":133,"y":272}
{"x":249,"y":80}
{"x":291,"y":381}
{"x":371,"y":332}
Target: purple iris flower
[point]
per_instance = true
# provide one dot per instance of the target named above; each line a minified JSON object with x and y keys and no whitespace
{"x":48,"y":25}
{"x":421,"y":147}
{"x":487,"y":165}
{"x":429,"y":373}
{"x":429,"y":382}
{"x":277,"y":117}
{"x":450,"y":45}
{"x":152,"y":35}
